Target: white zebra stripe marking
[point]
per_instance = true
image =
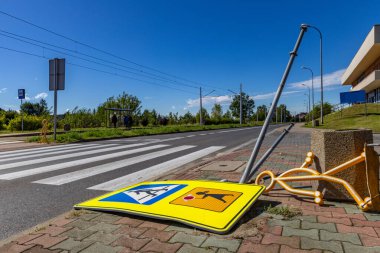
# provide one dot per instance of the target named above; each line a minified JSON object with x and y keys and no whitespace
{"x":59,"y":157}
{"x":77,"y":175}
{"x":153,"y":171}
{"x":49,"y":168}
{"x":51,"y":152}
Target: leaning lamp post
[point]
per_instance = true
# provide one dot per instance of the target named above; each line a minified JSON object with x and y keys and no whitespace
{"x":312,"y":90}
{"x":321,"y":65}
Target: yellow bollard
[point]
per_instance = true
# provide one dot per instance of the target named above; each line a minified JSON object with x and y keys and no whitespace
{"x":287,"y":176}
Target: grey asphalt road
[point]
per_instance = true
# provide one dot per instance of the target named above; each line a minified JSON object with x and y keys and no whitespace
{"x":38,"y":184}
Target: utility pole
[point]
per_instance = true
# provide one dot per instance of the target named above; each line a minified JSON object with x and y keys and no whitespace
{"x":276,"y":116}
{"x":200,"y":106}
{"x":241,"y":103}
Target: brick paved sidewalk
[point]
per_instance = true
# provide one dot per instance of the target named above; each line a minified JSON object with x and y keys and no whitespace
{"x":334,"y":227}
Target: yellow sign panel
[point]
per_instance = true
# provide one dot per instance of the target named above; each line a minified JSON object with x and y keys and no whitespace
{"x":209,"y":205}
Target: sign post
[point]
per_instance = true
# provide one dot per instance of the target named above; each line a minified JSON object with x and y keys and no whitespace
{"x":56,"y":82}
{"x":21,"y":96}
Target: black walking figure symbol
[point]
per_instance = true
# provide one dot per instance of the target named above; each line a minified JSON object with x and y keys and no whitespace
{"x":215,"y":196}
{"x":150,"y":192}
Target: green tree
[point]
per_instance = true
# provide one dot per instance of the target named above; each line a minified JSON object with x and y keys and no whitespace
{"x":205,"y":115}
{"x":216,"y":112}
{"x":187,"y":118}
{"x":327,"y":109}
{"x":247,"y":106}
{"x":282,"y":110}
{"x":262,"y":110}
{"x":36,"y":109}
{"x":123,"y":101}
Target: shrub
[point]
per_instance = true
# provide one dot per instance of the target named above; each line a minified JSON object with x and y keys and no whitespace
{"x":30,"y":123}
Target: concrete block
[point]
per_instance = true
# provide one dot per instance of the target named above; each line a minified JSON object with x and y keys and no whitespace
{"x":332,"y":148}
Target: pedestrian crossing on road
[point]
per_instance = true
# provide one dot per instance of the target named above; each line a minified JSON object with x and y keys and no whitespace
{"x":9,"y":142}
{"x":73,"y":162}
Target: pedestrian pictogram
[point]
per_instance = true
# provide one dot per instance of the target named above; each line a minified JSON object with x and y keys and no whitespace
{"x":145,"y":194}
{"x":206,"y":198}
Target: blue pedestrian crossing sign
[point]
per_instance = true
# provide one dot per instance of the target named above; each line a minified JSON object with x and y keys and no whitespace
{"x":208,"y":205}
{"x":21,"y":93}
{"x":145,"y":194}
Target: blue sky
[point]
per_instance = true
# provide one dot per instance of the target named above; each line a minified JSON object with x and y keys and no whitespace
{"x":214,"y":43}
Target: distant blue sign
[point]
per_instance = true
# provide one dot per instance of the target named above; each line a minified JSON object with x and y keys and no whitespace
{"x":21,"y":93}
{"x":352,"y":97}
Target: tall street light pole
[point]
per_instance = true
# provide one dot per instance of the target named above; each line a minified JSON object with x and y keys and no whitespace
{"x":321,"y":65}
{"x":312,"y":89}
{"x":309,"y":101}
{"x":241,"y":103}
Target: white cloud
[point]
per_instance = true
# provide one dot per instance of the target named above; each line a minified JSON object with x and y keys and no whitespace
{"x":3,"y":90}
{"x":208,"y":100}
{"x":329,"y":79}
{"x":173,"y":107}
{"x":27,"y":98}
{"x":271,"y":95}
{"x":41,"y":95}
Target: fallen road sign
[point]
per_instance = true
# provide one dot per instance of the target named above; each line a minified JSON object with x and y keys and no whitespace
{"x":208,"y":205}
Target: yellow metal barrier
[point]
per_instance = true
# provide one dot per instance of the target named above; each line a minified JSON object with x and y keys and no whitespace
{"x":287,"y":176}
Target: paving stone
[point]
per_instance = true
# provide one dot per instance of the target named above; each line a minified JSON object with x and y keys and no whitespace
{"x":353,"y":209}
{"x":46,"y":240}
{"x":287,"y":249}
{"x":307,"y":243}
{"x":13,"y":247}
{"x":89,"y":216}
{"x":72,"y":246}
{"x":107,"y":218}
{"x":308,"y":218}
{"x":223,"y":251}
{"x":26,"y":238}
{"x":78,"y":234}
{"x":163,"y":236}
{"x":325,"y":226}
{"x":340,"y":220}
{"x":40,"y":249}
{"x":187,"y":248}
{"x":349,"y":237}
{"x":129,"y":221}
{"x":293,"y":241}
{"x":61,"y":221}
{"x":370,"y":241}
{"x":108,"y":228}
{"x":276,"y":230}
{"x":180,"y":229}
{"x":82,"y":224}
{"x":285,"y":223}
{"x":130,"y":231}
{"x":155,"y":245}
{"x":351,"y":248}
{"x":102,"y":237}
{"x":249,"y":247}
{"x":316,"y":213}
{"x":372,"y":216}
{"x":100,"y":248}
{"x":310,"y":233}
{"x":155,"y":225}
{"x":231,"y":245}
{"x":366,"y":223}
{"x":52,"y":230}
{"x":195,"y":240}
{"x":360,"y":230}
{"x":132,"y":243}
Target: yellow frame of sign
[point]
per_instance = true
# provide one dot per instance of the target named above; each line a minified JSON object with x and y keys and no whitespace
{"x":208,"y":205}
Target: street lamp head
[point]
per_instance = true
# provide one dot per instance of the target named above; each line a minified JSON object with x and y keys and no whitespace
{"x":304,"y":26}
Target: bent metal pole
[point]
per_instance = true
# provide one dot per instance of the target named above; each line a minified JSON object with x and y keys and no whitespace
{"x":263,"y":131}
